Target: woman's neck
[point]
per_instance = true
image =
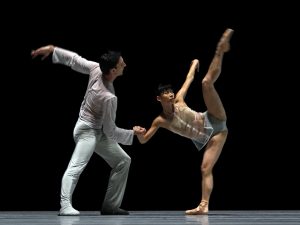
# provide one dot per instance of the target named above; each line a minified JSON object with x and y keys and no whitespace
{"x":168,"y":111}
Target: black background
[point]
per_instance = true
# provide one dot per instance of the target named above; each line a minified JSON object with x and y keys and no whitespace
{"x":259,"y":165}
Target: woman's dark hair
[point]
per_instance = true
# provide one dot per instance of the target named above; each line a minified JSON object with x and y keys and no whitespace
{"x":109,"y":61}
{"x":163,"y":87}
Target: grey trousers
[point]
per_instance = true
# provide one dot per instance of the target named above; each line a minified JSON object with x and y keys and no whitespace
{"x":88,"y":141}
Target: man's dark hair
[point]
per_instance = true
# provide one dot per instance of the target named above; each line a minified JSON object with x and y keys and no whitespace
{"x":163,"y":87}
{"x":109,"y":60}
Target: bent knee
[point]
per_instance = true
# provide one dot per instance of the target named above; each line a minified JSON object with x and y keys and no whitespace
{"x":126,"y":161}
{"x":207,"y":83}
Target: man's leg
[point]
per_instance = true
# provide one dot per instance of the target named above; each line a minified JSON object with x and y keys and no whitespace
{"x":119,"y":161}
{"x":85,"y":145}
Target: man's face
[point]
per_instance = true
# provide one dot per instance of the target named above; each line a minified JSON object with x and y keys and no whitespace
{"x":120,"y":66}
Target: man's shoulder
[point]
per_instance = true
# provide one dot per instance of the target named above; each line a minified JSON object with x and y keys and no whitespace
{"x":108,"y":96}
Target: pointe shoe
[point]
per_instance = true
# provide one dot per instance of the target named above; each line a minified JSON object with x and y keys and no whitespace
{"x":202,"y":209}
{"x":224,"y":45}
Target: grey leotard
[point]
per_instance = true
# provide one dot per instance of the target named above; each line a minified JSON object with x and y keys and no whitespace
{"x":197,"y":126}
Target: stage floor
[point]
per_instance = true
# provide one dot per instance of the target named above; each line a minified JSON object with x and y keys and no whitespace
{"x":152,"y":218}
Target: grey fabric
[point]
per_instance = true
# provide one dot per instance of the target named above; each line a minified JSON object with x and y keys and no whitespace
{"x":88,"y":141}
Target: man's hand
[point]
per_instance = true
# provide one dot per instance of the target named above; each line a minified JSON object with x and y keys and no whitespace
{"x":139,"y":130}
{"x":44,"y":51}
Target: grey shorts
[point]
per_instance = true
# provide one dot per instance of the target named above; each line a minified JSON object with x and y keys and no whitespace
{"x":216,"y":124}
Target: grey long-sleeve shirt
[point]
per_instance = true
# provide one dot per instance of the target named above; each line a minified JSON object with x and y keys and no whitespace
{"x":99,"y":106}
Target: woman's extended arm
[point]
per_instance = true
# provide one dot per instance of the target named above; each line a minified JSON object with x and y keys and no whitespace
{"x":189,"y":79}
{"x":143,"y":138}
